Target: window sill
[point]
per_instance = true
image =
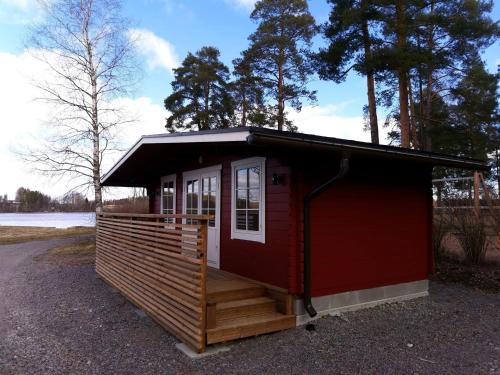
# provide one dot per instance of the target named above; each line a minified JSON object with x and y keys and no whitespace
{"x":246,"y":236}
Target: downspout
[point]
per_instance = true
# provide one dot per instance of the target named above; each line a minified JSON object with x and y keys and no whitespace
{"x":344,"y":168}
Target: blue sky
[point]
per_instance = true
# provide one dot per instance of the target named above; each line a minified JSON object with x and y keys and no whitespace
{"x":169,"y":29}
{"x":188,"y":25}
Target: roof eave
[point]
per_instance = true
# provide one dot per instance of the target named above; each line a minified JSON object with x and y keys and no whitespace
{"x":262,"y":137}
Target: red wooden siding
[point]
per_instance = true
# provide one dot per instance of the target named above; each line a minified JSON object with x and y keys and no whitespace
{"x":371,"y":229}
{"x":264,"y":262}
{"x":267,"y":262}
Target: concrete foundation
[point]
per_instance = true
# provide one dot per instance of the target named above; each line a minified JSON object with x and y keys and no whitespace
{"x":350,"y":301}
{"x":210,"y":350}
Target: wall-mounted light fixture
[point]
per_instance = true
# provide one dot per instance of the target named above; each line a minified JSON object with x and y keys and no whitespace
{"x":278,"y":179}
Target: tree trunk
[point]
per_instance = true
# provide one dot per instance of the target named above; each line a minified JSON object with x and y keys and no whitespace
{"x":370,"y":82}
{"x":404,"y":119}
{"x":421,"y":123}
{"x":96,"y":156}
{"x":206,"y":90}
{"x":281,"y":100}
{"x":244,"y":111}
{"x":498,"y":171}
{"x":430,"y":83}
{"x":96,"y":152}
{"x":414,"y":131}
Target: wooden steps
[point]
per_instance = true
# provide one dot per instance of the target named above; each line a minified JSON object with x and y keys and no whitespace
{"x":238,"y":308}
{"x":232,"y":293}
{"x":236,"y":328}
{"x":244,"y":308}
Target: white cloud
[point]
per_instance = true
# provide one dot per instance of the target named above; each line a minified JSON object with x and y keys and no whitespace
{"x":245,"y":4}
{"x":20,"y":11}
{"x":328,"y":121}
{"x":159,"y":53}
{"x":21,"y":4}
{"x":23,"y":119}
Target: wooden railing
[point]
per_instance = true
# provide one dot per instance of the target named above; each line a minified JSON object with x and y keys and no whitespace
{"x":159,"y":263}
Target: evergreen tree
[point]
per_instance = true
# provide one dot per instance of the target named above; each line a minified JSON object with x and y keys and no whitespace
{"x":351,"y":42}
{"x":248,"y":96}
{"x":447,"y":36}
{"x":474,"y":112}
{"x":200,"y":97}
{"x":279,"y":53}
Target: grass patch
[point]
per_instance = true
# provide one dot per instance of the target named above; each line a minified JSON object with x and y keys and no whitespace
{"x":75,"y":254}
{"x":10,"y":235}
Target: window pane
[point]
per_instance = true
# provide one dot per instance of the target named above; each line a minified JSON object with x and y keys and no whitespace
{"x":253,"y":198}
{"x":194,"y":201}
{"x":168,"y":202}
{"x":206,"y":184}
{"x":211,"y":222}
{"x":212,"y":203}
{"x":254,"y":177}
{"x":253,"y":220}
{"x":192,"y":197}
{"x":241,"y":198}
{"x":241,"y":219}
{"x":204,"y":200}
{"x":213,"y":183}
{"x":242,"y":178}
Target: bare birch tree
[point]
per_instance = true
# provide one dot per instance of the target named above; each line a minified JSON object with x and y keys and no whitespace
{"x":85,"y":46}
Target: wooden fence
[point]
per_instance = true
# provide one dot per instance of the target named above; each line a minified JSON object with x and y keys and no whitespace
{"x":159,"y":263}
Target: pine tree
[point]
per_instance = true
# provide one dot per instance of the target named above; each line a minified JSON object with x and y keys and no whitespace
{"x":351,"y":44}
{"x":200,"y":99}
{"x":278,"y":53}
{"x":248,"y":96}
{"x":447,"y":35}
{"x":474,"y":111}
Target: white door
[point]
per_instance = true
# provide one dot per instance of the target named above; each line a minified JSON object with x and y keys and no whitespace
{"x":201,"y":196}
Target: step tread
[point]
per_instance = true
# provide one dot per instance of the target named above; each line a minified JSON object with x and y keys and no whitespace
{"x":244,"y":302}
{"x":234,"y":294}
{"x":249,"y":321}
{"x":232,"y":329}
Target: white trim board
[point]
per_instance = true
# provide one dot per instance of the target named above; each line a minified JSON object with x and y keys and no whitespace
{"x":191,"y":137}
{"x":172,"y":177}
{"x":200,"y":173}
{"x":246,"y":235}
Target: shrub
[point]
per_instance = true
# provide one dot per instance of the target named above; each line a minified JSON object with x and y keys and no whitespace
{"x":471,"y":234}
{"x":439,"y":230}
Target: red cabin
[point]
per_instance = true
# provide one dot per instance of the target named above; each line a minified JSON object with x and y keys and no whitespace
{"x":337,"y":224}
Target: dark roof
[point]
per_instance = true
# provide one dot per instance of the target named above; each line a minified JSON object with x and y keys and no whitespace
{"x":315,"y":141}
{"x":253,"y":136}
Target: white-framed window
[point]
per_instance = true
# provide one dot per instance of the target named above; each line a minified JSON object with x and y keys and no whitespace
{"x":248,"y":181}
{"x":168,"y":196}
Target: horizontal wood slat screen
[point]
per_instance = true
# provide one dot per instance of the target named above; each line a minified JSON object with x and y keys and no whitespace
{"x":159,"y":263}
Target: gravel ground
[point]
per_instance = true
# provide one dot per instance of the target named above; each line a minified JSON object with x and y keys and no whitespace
{"x":65,"y":320}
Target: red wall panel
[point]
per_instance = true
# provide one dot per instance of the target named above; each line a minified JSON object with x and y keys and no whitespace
{"x":264,"y":262}
{"x":371,"y":229}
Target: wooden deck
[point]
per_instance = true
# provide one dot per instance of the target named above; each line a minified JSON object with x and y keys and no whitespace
{"x":238,"y":307}
{"x":159,"y":263}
